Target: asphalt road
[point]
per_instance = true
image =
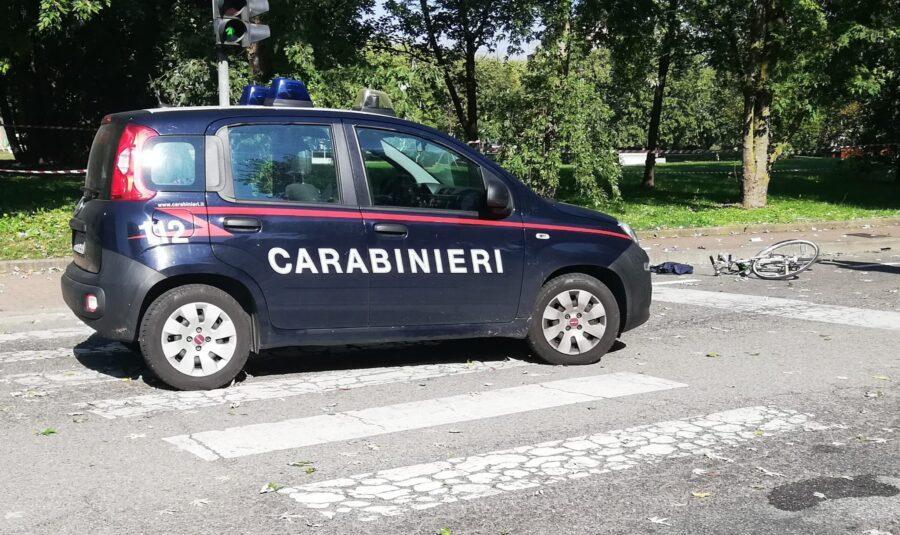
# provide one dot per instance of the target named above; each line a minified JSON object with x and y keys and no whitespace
{"x":743,"y":406}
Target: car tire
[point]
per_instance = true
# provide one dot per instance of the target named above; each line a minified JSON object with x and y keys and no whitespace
{"x":567,"y":327}
{"x":177,"y":316}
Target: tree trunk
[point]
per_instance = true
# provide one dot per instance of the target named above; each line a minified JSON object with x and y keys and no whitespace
{"x":471,"y":85}
{"x":445,"y":67}
{"x":665,"y":60}
{"x":760,"y":64}
{"x":755,"y":196}
{"x":261,"y":61}
{"x":748,"y":171}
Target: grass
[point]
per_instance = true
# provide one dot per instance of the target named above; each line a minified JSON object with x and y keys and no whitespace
{"x":34,"y":215}
{"x":34,"y":211}
{"x":702,"y":194}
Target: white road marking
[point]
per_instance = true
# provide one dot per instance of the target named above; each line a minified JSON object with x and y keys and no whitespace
{"x":423,"y":486}
{"x":680,"y":281}
{"x":46,"y":334}
{"x":776,"y":306}
{"x":40,"y":317}
{"x":64,"y":378}
{"x":306,"y":383}
{"x":295,"y":433}
{"x":63,"y":352}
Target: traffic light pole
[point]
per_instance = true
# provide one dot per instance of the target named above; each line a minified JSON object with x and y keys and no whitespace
{"x":224,"y":89}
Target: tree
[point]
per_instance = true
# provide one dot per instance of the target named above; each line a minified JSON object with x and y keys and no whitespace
{"x":561,"y":116}
{"x":864,"y":71}
{"x":667,"y":46}
{"x":646,"y":38}
{"x":749,"y":39}
{"x":450,"y":34}
{"x":70,"y":63}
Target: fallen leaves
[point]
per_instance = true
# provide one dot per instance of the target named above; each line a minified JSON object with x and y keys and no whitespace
{"x":270,"y":487}
{"x":46,"y":432}
{"x":701,"y":494}
{"x":306,"y":465}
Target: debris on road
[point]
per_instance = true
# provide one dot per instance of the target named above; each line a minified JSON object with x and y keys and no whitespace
{"x":270,"y":487}
{"x":675,"y":268}
{"x":769,"y":472}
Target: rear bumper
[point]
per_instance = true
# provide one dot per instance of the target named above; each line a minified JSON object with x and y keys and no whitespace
{"x":633,"y":268}
{"x":120,"y":287}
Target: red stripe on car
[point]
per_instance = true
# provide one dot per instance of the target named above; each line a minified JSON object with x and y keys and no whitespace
{"x":350,"y":214}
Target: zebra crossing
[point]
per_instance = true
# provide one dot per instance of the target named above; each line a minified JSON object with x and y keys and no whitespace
{"x":508,"y":389}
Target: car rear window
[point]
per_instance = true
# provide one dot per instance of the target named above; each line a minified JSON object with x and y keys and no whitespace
{"x":100,"y":161}
{"x":171,"y":163}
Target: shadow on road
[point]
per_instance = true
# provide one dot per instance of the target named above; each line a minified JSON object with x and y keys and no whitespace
{"x":115,"y":360}
{"x":861,"y":266}
{"x":306,"y":359}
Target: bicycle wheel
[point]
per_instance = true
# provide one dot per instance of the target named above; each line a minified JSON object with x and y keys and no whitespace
{"x":785,"y":259}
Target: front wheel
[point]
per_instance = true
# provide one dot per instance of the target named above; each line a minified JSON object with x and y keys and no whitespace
{"x":195,"y":337}
{"x":785,"y":259}
{"x":575,"y":320}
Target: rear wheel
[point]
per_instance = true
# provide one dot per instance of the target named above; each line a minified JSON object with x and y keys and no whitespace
{"x":785,"y":259}
{"x":195,"y":337}
{"x":575,"y":320}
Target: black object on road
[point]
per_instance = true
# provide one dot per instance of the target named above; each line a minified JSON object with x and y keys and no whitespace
{"x":672,"y":268}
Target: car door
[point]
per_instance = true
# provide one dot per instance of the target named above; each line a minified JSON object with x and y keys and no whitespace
{"x":445,"y":260}
{"x":287,"y":200}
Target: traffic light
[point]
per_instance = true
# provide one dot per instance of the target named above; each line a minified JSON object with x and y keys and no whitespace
{"x":231,"y":22}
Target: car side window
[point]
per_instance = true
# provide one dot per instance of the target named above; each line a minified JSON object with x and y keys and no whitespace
{"x":283,"y":162}
{"x":408,"y":171}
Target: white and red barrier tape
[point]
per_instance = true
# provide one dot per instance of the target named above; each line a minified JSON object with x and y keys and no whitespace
{"x":43,"y":172}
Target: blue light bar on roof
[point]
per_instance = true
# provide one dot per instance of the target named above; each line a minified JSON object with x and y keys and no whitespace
{"x":253,"y":95}
{"x":287,"y":92}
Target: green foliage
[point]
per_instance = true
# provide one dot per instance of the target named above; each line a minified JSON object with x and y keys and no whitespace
{"x":559,"y":118}
{"x":701,"y":110}
{"x":54,"y":12}
{"x":34,"y":215}
{"x":864,"y":70}
{"x":413,"y":85}
{"x":699,"y":194}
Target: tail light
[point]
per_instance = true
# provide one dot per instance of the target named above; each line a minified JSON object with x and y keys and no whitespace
{"x":126,"y":184}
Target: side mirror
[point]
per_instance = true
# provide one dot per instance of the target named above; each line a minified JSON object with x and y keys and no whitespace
{"x":499,"y":198}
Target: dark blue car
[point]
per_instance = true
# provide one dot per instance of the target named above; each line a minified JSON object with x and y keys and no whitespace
{"x":207,"y":234}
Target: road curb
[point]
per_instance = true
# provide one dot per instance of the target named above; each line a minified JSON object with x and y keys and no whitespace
{"x":11,"y":266}
{"x":766,"y":227}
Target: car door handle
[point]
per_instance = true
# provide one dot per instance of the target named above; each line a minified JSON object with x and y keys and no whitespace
{"x":243,"y":224}
{"x":392,"y":229}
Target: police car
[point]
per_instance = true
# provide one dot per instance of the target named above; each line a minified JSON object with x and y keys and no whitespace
{"x":207,"y":234}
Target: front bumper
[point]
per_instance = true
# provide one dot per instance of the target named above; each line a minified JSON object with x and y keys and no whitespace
{"x":633,"y":268}
{"x":120,"y":287}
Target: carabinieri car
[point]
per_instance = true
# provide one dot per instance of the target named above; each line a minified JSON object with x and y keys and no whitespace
{"x":207,"y":234}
